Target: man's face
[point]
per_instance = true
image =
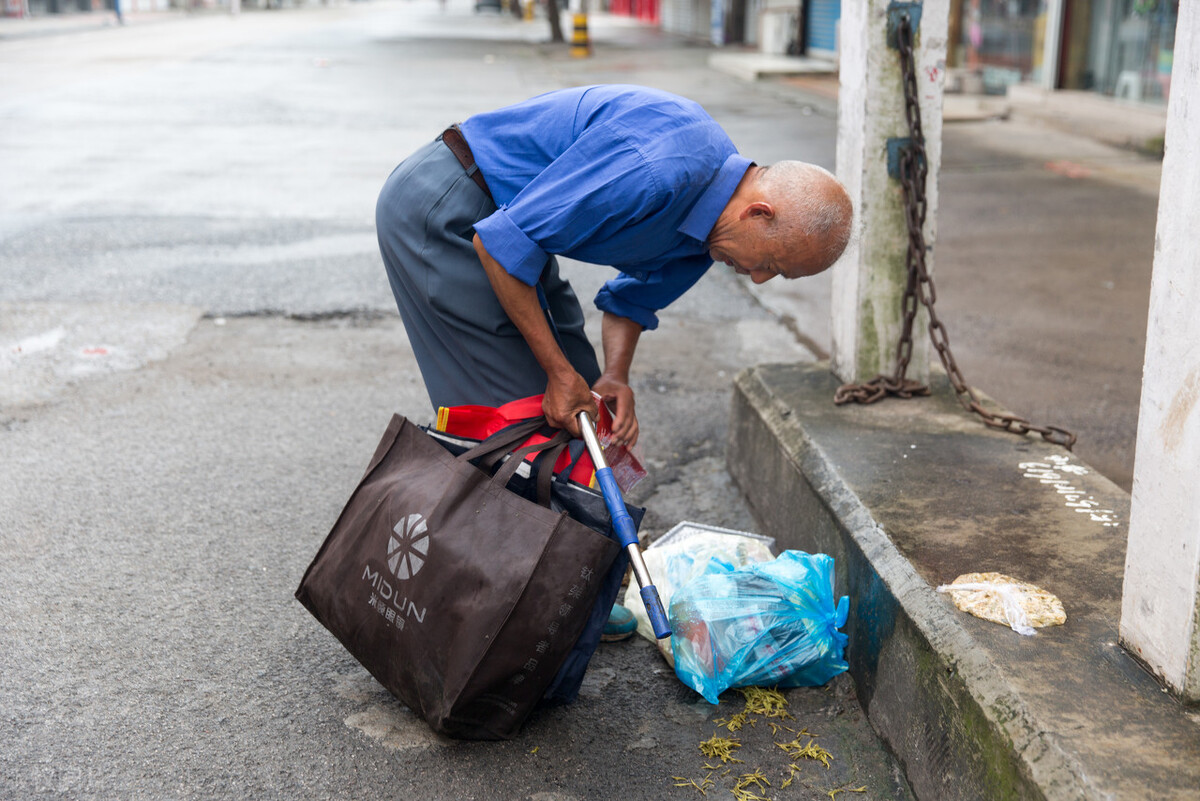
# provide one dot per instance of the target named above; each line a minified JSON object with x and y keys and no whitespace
{"x":751,"y":254}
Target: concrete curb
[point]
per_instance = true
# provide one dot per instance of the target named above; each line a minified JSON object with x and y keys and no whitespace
{"x":895,"y":626}
{"x":1136,"y":126}
{"x":955,"y":713}
{"x":752,"y":66}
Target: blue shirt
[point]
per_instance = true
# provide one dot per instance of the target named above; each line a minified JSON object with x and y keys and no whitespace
{"x":620,"y":175}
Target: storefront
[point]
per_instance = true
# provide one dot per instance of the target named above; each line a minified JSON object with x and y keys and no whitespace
{"x":820,"y":22}
{"x":1128,"y":48}
{"x":999,"y":41}
{"x":690,"y":18}
{"x":646,"y":10}
{"x":1118,"y":48}
{"x":779,"y":27}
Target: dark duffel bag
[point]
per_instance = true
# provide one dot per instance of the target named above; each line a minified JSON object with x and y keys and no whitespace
{"x":464,"y":598}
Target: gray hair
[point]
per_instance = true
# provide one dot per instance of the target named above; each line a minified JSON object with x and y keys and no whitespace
{"x":810,"y":202}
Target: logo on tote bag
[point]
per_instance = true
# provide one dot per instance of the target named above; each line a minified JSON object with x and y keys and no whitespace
{"x":408,"y":547}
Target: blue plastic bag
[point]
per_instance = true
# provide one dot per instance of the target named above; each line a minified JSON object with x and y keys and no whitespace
{"x":765,"y":624}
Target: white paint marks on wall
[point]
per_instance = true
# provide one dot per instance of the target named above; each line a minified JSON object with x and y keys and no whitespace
{"x":1058,"y":473}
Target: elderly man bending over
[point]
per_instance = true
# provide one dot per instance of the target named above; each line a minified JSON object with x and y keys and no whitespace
{"x":635,"y":178}
{"x":638,"y":179}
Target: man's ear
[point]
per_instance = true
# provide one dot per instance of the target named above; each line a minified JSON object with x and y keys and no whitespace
{"x":759,"y":208}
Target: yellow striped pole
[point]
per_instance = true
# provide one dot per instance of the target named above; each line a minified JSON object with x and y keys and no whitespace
{"x":580,"y":46}
{"x":528,"y":10}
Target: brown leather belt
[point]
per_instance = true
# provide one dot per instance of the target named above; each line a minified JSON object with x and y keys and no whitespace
{"x":453,"y":138}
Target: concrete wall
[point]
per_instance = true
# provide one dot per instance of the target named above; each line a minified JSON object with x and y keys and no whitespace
{"x":869,"y":280}
{"x":1160,"y":614}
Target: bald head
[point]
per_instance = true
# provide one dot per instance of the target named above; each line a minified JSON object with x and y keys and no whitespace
{"x":811,"y":205}
{"x":791,"y":219}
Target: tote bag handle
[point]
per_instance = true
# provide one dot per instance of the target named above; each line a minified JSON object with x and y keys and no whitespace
{"x":497,"y":446}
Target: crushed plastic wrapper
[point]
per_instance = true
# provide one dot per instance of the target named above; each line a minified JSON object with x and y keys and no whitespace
{"x":1003,"y":599}
{"x":765,"y":624}
{"x":683,"y":553}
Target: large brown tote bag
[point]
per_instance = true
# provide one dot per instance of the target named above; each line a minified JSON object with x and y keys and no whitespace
{"x":459,"y":596}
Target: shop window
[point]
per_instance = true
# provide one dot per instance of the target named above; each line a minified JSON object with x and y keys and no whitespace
{"x":1131,"y":49}
{"x":1002,"y":41}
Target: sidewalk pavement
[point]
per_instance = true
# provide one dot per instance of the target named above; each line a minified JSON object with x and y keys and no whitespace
{"x":1044,"y":229}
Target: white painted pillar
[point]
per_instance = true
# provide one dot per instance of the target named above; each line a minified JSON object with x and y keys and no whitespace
{"x":868,"y":281}
{"x":1160,"y":609}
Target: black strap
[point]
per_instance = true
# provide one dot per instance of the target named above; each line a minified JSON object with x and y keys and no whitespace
{"x":545,"y":469}
{"x":501,"y":442}
{"x":496,"y":447}
{"x":577,"y":449}
{"x":509,"y":468}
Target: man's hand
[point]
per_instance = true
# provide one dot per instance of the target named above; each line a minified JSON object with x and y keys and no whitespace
{"x":619,"y":336}
{"x":567,"y":396}
{"x":619,"y":396}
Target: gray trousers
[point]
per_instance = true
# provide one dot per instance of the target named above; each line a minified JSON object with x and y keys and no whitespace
{"x":468,"y":350}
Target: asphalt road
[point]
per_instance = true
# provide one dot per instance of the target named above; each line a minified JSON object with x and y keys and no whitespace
{"x":199,"y":350}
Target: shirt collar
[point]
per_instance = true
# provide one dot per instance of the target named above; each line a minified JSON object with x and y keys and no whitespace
{"x":703,"y":216}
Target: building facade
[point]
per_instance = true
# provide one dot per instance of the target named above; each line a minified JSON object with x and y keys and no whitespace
{"x":785,"y":27}
{"x":1117,"y":48}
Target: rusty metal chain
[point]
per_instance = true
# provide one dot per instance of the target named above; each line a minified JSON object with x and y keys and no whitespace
{"x":919,"y":287}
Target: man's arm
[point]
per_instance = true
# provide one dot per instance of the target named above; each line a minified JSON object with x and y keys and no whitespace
{"x":567,"y":394}
{"x":619,"y":337}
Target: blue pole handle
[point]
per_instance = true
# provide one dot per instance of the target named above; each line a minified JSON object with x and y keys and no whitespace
{"x":654,"y":608}
{"x":627,"y":536}
{"x":622,"y":522}
{"x":624,"y":529}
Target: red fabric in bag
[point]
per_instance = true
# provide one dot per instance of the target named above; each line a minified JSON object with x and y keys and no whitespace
{"x":480,"y":422}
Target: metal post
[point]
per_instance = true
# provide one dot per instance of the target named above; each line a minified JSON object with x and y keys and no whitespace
{"x":869,"y":281}
{"x":1160,"y":608}
{"x":580,"y":46}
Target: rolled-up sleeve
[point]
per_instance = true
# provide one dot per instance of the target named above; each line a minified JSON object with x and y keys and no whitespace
{"x":640,"y":299}
{"x":508,"y":245}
